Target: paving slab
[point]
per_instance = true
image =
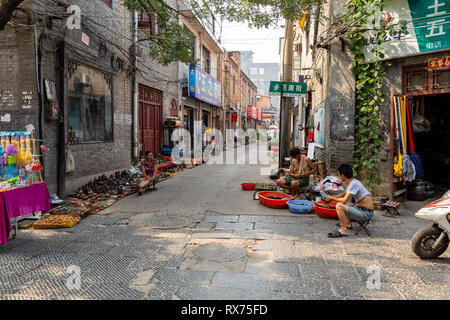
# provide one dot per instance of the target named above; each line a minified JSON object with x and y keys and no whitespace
{"x":252,"y":234}
{"x":110,"y":291}
{"x":264,"y":268}
{"x":259,"y":219}
{"x":212,"y":234}
{"x":235,"y":225}
{"x":410,"y":291}
{"x":239,"y":281}
{"x":208,"y":293}
{"x":310,"y":288}
{"x":219,"y":252}
{"x":221,"y":218}
{"x":181,"y":277}
{"x":356,"y":288}
{"x":156,"y":292}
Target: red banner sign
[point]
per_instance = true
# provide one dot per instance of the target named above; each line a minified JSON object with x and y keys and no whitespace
{"x":250,"y":109}
{"x":439,"y":63}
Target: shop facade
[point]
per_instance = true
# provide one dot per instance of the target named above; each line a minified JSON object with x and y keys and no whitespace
{"x":328,"y":109}
{"x":71,"y":88}
{"x":423,"y":81}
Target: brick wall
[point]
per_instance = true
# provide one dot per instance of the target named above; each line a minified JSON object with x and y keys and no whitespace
{"x":98,"y":22}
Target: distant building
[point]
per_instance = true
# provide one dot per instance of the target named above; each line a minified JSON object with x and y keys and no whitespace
{"x":261,"y":74}
{"x":269,"y":113}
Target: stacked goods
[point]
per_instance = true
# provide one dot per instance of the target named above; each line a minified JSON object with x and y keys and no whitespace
{"x":52,"y":221}
{"x":420,"y":190}
{"x":81,"y":210}
{"x":265,"y":186}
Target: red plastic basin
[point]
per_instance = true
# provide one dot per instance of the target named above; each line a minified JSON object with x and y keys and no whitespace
{"x":264,"y":198}
{"x":248,"y":186}
{"x":324,"y":212}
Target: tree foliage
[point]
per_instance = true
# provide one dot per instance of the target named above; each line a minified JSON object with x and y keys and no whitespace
{"x":262,"y":13}
{"x":360,"y":17}
{"x":172,"y":42}
{"x":7,"y":7}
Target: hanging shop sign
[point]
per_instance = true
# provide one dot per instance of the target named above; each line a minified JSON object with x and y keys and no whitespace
{"x":269,"y":111}
{"x":439,"y":63}
{"x":319,"y":129}
{"x":290,"y":89}
{"x":250,"y":110}
{"x":204,"y":87}
{"x":85,"y":38}
{"x":428,"y":24}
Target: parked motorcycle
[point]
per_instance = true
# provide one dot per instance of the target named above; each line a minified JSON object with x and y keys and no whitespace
{"x":432,"y":241}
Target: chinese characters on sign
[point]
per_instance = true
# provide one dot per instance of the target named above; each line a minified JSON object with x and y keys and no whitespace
{"x":204,"y":87}
{"x":427,"y":23}
{"x":290,"y":89}
{"x":439,"y":63}
{"x":254,"y":113}
{"x":431,"y":22}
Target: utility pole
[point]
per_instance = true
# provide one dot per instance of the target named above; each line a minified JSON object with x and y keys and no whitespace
{"x":281,"y":138}
{"x":286,"y":105}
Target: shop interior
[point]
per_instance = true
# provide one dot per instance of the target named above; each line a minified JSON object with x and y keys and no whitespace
{"x":431,"y":137}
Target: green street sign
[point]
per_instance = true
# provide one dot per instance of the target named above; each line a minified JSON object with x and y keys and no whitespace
{"x":290,"y":89}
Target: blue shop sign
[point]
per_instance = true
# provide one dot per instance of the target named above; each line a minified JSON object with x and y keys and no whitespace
{"x":204,"y":87}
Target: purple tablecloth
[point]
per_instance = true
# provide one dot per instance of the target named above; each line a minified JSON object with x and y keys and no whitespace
{"x":19,"y":202}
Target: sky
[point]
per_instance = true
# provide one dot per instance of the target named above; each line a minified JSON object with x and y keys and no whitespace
{"x":263,"y":42}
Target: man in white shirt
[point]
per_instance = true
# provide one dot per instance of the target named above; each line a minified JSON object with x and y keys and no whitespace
{"x":361,"y":210}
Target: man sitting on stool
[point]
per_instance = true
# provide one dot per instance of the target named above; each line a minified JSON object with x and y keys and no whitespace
{"x":362,"y":210}
{"x":297,"y":176}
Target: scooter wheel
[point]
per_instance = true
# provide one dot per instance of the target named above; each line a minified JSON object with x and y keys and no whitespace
{"x":423,"y":241}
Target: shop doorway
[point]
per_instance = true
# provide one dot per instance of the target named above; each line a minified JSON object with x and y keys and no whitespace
{"x":420,"y":128}
{"x":431,"y":124}
{"x":150,"y":119}
{"x":189,"y":116}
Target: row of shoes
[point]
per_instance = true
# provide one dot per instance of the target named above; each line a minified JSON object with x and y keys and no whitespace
{"x":112,"y":185}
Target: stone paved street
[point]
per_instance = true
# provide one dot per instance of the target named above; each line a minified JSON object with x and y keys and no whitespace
{"x":200,"y":237}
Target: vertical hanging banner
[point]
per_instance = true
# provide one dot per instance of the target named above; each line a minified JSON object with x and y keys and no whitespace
{"x":250,"y":111}
{"x":319,"y":128}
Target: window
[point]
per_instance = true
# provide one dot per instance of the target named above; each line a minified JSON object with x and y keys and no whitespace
{"x":149,"y":23}
{"x":206,"y":60}
{"x":234,"y":84}
{"x":253,"y":71}
{"x":107,"y":2}
{"x":90,"y":106}
{"x":261,"y":70}
{"x":419,"y":80}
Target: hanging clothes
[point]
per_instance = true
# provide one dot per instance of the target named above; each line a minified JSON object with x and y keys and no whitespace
{"x":408,"y":170}
{"x":417,"y":162}
{"x":403,"y":123}
{"x":398,"y":166}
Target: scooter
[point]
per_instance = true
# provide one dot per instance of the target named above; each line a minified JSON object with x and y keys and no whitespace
{"x":432,"y":241}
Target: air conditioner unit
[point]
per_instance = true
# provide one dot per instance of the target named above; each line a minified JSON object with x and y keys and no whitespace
{"x":85,"y":79}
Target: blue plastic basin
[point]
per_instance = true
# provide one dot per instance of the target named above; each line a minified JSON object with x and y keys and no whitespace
{"x":300,"y":206}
